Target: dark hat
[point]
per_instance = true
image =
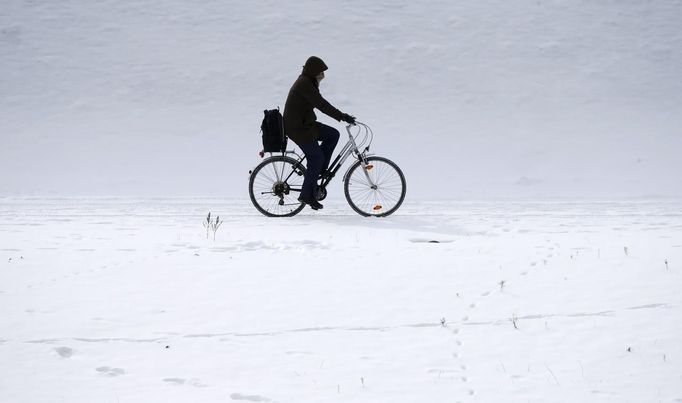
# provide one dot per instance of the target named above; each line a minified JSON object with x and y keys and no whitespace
{"x":314,"y":66}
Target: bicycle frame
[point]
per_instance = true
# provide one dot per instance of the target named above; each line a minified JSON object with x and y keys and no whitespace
{"x":351,"y":147}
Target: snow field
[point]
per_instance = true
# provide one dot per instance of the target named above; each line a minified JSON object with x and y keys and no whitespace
{"x":126,"y":300}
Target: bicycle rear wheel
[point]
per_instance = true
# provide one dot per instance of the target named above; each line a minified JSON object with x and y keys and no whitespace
{"x":378,"y":200}
{"x":274,"y":186}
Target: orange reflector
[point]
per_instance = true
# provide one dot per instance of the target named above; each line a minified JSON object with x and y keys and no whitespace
{"x":369,"y":166}
{"x":377,"y":207}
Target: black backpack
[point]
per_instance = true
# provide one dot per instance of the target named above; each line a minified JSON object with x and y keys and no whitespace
{"x":274,"y":139}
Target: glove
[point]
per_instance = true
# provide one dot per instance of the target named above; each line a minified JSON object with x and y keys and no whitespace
{"x":348,"y":118}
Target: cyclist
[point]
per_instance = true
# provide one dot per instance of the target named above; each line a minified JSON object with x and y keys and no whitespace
{"x":301,"y":126}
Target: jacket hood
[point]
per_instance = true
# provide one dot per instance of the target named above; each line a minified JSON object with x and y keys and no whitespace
{"x":313,"y":66}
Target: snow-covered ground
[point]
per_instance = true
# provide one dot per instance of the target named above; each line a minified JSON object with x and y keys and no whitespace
{"x":122,"y":300}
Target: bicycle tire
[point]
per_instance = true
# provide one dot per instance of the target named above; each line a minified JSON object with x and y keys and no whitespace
{"x":371,"y":202}
{"x":270,"y":206}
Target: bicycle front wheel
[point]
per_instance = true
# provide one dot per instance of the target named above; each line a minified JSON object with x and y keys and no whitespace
{"x":274,"y":186}
{"x":377,"y":190}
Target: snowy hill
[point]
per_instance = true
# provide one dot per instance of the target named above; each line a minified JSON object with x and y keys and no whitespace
{"x":473,"y":100}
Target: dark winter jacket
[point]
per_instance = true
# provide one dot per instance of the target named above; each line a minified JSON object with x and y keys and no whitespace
{"x":299,"y":118}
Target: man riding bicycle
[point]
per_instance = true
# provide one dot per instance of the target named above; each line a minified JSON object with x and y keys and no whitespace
{"x":301,"y":126}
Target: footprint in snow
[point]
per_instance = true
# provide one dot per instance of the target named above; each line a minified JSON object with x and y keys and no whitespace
{"x":181,"y":381}
{"x":251,"y":398}
{"x":177,"y":381}
{"x":64,"y":352}
{"x":108,"y":371}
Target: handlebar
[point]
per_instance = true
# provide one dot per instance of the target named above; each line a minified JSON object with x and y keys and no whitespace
{"x":368,"y":134}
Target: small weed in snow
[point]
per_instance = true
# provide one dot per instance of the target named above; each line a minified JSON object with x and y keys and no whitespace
{"x":212,"y":225}
{"x":553,"y":376}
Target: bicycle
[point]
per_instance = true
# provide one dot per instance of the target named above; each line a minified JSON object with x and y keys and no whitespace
{"x":373,"y":186}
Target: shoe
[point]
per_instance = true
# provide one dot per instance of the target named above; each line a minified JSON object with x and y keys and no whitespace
{"x":314,"y":204}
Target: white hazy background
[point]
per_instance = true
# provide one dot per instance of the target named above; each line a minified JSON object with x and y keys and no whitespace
{"x":523,"y":99}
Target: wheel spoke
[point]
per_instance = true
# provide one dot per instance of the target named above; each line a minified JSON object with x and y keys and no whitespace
{"x":274,"y":170}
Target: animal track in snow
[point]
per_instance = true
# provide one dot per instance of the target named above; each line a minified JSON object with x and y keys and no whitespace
{"x":443,"y":371}
{"x":298,"y":353}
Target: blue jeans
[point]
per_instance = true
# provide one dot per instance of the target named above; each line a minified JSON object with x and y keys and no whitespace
{"x":318,"y":156}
